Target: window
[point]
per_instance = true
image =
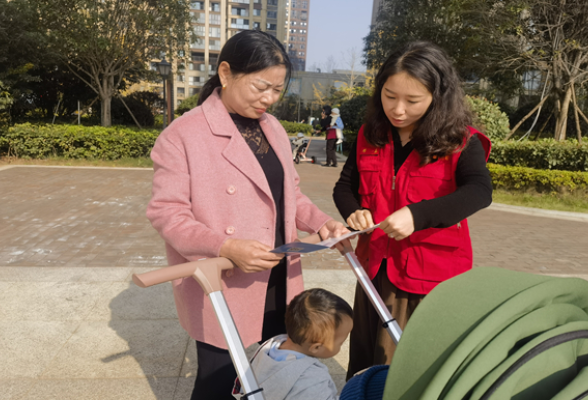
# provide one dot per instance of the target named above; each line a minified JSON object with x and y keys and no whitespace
{"x":256,"y":12}
{"x":214,"y":32}
{"x":196,"y":80}
{"x":294,"y":4}
{"x":301,"y":54}
{"x":272,"y":27}
{"x":197,"y":17}
{"x":180,"y":91}
{"x":214,"y":19}
{"x":302,"y":30}
{"x":197,"y":5}
{"x":292,"y":38}
{"x":239,"y":23}
{"x":198,"y":43}
{"x":293,"y":30}
{"x":243,"y":12}
{"x":215,"y":7}
{"x":293,"y":23}
{"x":194,"y":91}
{"x":301,"y":47}
{"x":302,"y":38}
{"x":272,"y":14}
{"x":198,"y":57}
{"x":199,"y":30}
{"x":180,"y":78}
{"x":272,"y":2}
{"x":181,"y":53}
{"x":240,"y":1}
{"x":214,"y":44}
{"x":304,"y":15}
{"x":257,"y":25}
{"x":304,"y":23}
{"x":304,"y":5}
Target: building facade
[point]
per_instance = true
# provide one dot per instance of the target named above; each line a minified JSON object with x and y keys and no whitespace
{"x":215,"y":21}
{"x":298,"y":33}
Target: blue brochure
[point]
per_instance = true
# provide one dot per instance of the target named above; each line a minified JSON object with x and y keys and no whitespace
{"x":302,"y":248}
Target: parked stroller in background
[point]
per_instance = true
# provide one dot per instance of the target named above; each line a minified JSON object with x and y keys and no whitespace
{"x":300,"y":148}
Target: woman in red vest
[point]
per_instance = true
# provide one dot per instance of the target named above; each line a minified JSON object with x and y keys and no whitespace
{"x":419,"y":170}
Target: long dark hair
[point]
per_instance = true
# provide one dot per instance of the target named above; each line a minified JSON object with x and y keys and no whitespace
{"x":248,"y":52}
{"x":443,"y":128}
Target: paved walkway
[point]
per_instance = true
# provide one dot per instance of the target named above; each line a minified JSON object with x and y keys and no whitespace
{"x":72,"y":325}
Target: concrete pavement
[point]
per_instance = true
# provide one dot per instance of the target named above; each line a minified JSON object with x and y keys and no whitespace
{"x":73,"y":326}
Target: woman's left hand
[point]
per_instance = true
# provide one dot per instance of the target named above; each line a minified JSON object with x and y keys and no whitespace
{"x":399,"y":224}
{"x":333,"y":229}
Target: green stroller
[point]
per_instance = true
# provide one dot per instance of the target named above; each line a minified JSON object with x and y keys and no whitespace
{"x":488,"y":334}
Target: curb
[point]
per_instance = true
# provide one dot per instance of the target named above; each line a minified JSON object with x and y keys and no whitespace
{"x":538,"y":212}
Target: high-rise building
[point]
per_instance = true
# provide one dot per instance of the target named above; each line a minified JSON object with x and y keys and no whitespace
{"x":214,"y":21}
{"x":298,"y":33}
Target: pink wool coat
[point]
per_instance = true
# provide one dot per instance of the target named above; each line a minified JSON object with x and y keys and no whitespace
{"x":207,"y":187}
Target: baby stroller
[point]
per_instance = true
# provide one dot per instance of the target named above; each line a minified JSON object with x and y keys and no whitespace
{"x":300,"y":147}
{"x":487,"y":334}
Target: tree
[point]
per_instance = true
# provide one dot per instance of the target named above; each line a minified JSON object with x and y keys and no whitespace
{"x":496,"y":40}
{"x":102,"y":41}
{"x":22,"y":49}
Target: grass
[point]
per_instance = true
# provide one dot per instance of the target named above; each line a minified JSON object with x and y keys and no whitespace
{"x":142,"y":162}
{"x":559,"y":202}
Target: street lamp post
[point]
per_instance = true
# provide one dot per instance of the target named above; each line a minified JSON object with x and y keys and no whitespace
{"x":164,"y":69}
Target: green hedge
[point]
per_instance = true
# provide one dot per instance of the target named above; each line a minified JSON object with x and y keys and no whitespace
{"x":541,"y":154}
{"x":489,"y":118}
{"x":523,"y":179}
{"x":294,"y":127}
{"x":74,"y":141}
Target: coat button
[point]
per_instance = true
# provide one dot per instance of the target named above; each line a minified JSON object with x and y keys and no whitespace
{"x":231,"y":189}
{"x":230,"y":230}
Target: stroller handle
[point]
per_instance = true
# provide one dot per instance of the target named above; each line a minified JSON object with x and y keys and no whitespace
{"x":207,"y":272}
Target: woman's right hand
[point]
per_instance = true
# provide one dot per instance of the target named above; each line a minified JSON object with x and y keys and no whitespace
{"x":250,"y":255}
{"x":360,"y":220}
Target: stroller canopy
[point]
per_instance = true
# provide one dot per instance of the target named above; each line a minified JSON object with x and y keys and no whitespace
{"x":495,"y":334}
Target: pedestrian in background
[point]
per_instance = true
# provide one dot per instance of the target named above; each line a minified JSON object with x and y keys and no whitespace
{"x":335,"y":125}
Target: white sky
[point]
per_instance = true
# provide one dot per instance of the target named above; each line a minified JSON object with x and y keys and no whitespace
{"x":335,"y":27}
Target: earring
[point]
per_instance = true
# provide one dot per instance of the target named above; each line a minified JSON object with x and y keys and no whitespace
{"x":224,"y":86}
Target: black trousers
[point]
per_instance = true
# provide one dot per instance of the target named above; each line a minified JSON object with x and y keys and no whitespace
{"x":331,"y":152}
{"x":216,"y":373}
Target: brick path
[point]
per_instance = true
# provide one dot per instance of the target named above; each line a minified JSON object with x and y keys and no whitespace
{"x":96,"y":217}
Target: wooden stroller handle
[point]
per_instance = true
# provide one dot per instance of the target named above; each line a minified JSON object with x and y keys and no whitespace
{"x":207,"y":272}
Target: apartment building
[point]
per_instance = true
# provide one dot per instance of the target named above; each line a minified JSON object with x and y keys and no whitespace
{"x":214,"y":21}
{"x":298,"y":40}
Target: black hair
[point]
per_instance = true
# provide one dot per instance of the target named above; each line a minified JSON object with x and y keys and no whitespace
{"x":315,"y":314}
{"x":443,"y":128}
{"x":327,"y":110}
{"x":248,"y":52}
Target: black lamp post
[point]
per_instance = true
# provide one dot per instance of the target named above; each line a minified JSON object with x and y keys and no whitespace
{"x":164,"y":69}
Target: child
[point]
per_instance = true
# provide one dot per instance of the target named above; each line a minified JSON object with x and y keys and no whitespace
{"x":286,"y":366}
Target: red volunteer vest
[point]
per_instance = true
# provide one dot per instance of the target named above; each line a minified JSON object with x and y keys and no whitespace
{"x":424,"y":259}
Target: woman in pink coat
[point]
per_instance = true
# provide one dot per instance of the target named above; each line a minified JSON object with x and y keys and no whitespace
{"x":224,"y":185}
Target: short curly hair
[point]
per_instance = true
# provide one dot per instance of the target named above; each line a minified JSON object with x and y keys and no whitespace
{"x":314,"y":315}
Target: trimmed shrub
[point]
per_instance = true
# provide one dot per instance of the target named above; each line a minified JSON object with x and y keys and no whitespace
{"x":187,"y":104}
{"x":488,"y":118}
{"x":294,"y":127}
{"x":75,"y":141}
{"x":353,"y":114}
{"x":547,"y":154}
{"x":523,"y":179}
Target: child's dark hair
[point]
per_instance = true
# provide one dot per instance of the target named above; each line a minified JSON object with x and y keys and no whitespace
{"x":314,"y":315}
{"x":443,"y":128}
{"x":248,"y":52}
